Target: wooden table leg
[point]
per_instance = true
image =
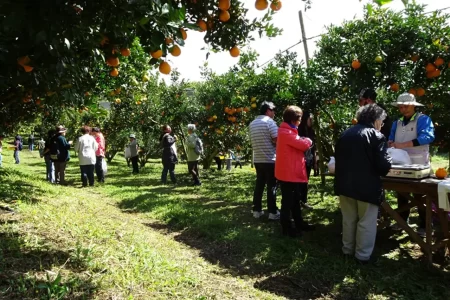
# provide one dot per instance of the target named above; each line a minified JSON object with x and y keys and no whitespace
{"x":414,"y":236}
{"x":443,"y":219}
{"x":429,"y":229}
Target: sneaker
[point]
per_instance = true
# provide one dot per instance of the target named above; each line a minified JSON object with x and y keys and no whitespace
{"x":257,"y":214}
{"x":375,"y":261}
{"x":274,"y":216}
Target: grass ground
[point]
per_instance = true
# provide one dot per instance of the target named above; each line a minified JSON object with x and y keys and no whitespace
{"x":134,"y":238}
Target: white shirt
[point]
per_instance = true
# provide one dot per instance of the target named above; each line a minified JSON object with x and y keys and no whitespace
{"x":262,"y":131}
{"x":86,"y":148}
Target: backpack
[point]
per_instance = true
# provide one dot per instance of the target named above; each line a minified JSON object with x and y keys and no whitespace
{"x":54,"y":150}
{"x":198,"y":147}
{"x":20,"y":145}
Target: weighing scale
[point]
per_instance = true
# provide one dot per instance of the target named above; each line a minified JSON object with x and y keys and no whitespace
{"x":409,"y":171}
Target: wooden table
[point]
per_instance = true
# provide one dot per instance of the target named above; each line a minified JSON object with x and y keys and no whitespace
{"x":425,"y":193}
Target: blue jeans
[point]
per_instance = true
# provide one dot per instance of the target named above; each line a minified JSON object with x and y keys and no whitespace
{"x":168,"y":167}
{"x":50,"y":169}
{"x":16,"y":156}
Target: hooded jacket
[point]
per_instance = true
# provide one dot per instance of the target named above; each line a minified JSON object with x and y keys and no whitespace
{"x":290,"y":164}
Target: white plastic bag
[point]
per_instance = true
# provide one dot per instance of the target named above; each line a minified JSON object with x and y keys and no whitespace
{"x":127,"y":152}
{"x":331,"y":165}
{"x":104,"y":167}
{"x":399,"y":156}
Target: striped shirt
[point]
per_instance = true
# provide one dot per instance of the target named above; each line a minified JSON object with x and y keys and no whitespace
{"x":262,"y":130}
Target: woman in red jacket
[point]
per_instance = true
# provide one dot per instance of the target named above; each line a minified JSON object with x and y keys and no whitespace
{"x":290,"y":171}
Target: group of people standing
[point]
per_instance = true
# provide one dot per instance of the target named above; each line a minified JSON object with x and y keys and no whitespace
{"x":194,"y":150}
{"x":282,"y":158}
{"x":90,"y":147}
{"x":362,"y":158}
{"x":279,"y":159}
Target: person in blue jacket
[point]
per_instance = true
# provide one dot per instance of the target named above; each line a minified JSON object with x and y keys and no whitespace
{"x":413,"y":132}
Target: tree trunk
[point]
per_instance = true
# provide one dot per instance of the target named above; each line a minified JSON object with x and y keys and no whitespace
{"x":110,"y":155}
{"x":316,"y":127}
{"x":208,"y":159}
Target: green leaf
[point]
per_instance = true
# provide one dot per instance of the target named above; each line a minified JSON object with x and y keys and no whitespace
{"x":144,"y":21}
{"x":165,"y":9}
{"x":382,"y":2}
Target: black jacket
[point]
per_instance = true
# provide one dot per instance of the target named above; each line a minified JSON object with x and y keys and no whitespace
{"x":169,"y":155}
{"x":361,"y":158}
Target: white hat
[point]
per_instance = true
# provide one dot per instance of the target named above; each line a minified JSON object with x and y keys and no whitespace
{"x":406,"y":99}
{"x":132,"y":136}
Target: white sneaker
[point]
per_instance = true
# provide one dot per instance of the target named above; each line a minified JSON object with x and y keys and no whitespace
{"x":274,"y":216}
{"x":257,"y":214}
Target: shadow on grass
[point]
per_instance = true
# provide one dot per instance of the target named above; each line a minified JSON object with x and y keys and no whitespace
{"x":216,"y":220}
{"x":25,"y":272}
{"x":14,"y":185}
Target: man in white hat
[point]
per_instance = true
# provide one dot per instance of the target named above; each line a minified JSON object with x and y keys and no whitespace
{"x":413,"y":132}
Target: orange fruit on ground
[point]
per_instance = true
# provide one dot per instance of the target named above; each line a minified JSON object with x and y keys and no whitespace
{"x":429,"y":74}
{"x":168,"y":41}
{"x":202,"y":25}
{"x":156,"y":54}
{"x":420,"y":92}
{"x":104,"y":41}
{"x":414,"y":57}
{"x":438,"y":62}
{"x":114,"y":72}
{"x":354,"y":121}
{"x":234,"y":52}
{"x":176,"y":51}
{"x":441,"y":173}
{"x":395,"y":87}
{"x":334,"y":101}
{"x":224,"y":16}
{"x":275,"y":5}
{"x":224,"y":4}
{"x":430,"y":67}
{"x":261,"y":4}
{"x":183,"y":33}
{"x":412,"y":91}
{"x":125,"y":52}
{"x":112,"y":61}
{"x":164,"y":67}
{"x":28,"y":68}
{"x":331,"y":126}
{"x":356,"y":64}
{"x":38,"y":101}
{"x":23,"y":61}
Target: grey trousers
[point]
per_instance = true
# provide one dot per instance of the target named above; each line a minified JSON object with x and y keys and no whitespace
{"x":359,"y":227}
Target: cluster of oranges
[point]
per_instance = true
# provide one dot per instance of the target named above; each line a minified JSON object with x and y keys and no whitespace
{"x":113,"y":61}
{"x":275,"y":5}
{"x":432,"y":69}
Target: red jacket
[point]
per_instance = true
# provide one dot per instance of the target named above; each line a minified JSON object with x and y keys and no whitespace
{"x":101,"y":145}
{"x":290,"y":163}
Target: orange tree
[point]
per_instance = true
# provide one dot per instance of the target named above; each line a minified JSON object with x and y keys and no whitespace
{"x":392,"y":52}
{"x":229,"y":102}
{"x":51,"y":49}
